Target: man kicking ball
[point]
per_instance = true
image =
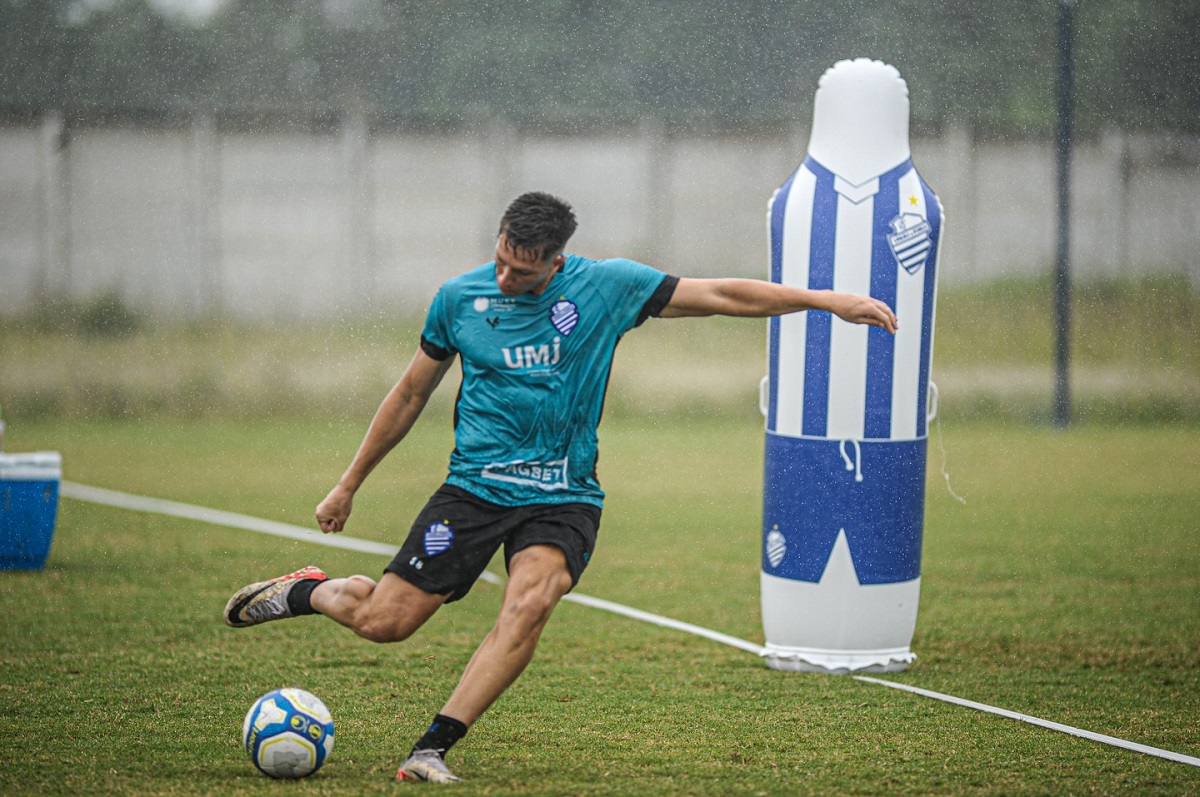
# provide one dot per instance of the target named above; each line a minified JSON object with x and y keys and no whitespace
{"x":535,"y":331}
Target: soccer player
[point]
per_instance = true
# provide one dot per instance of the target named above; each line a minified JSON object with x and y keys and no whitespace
{"x":534,"y":331}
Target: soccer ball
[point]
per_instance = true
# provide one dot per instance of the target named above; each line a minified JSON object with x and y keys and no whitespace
{"x":288,"y":733}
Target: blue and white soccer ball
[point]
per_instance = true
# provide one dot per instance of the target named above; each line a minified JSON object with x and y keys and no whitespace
{"x":288,"y":733}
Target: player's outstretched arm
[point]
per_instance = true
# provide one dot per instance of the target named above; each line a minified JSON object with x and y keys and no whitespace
{"x":761,"y":299}
{"x":392,"y":422}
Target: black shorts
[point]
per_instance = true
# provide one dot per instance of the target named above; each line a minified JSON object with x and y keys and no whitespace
{"x":457,"y":533}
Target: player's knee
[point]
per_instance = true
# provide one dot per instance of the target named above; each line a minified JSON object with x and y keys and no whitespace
{"x":350,"y":592}
{"x":382,"y":629}
{"x":384,"y":624}
{"x":529,"y":610}
{"x":379,"y":624}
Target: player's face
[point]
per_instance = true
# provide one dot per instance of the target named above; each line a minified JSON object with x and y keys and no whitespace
{"x":518,"y":272}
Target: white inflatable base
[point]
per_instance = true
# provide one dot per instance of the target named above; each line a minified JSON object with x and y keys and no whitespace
{"x":838,"y":624}
{"x":837,"y":662}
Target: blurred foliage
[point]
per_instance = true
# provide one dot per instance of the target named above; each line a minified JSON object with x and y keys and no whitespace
{"x":104,"y":316}
{"x":107,"y":316}
{"x":570,"y":64}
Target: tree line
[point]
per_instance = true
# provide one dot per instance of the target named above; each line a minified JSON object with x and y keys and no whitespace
{"x":599,"y":64}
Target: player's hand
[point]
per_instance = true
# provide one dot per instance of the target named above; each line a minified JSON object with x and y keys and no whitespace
{"x":333,"y":512}
{"x":864,"y":310}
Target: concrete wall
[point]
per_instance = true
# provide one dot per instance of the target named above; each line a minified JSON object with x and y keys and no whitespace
{"x":299,"y":225}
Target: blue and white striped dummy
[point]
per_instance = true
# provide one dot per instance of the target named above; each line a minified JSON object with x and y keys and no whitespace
{"x":847,"y":405}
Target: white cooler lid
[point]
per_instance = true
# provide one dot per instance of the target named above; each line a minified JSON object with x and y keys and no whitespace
{"x":31,"y":466}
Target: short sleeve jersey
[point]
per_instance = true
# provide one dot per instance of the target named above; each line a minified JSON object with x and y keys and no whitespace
{"x":535,"y":371}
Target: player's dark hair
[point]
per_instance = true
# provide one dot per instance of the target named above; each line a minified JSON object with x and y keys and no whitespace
{"x":539,"y":224}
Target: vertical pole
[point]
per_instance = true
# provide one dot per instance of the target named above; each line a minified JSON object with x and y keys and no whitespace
{"x":359,"y":243}
{"x":208,"y":285}
{"x":656,"y":220}
{"x":1062,"y":265}
{"x":54,"y":215}
{"x":502,"y":146}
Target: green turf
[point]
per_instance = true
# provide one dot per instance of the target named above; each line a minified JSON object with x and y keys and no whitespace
{"x":1067,"y":587}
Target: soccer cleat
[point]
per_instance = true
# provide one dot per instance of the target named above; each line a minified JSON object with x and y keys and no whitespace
{"x":266,"y":600}
{"x":426,"y":765}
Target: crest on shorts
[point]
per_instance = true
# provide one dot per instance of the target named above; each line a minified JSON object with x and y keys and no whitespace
{"x":776,"y":547}
{"x":564,"y":315}
{"x":438,"y":539}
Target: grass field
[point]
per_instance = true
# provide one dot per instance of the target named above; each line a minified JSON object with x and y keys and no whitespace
{"x":1067,"y":587}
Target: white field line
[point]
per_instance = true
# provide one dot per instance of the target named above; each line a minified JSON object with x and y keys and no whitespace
{"x":217,"y":517}
{"x":1054,"y":726}
{"x":665,"y":622}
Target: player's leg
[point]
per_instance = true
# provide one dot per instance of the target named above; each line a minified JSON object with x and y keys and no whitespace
{"x":429,"y":570}
{"x":538,"y":578}
{"x":273,"y":599}
{"x":547,"y":552}
{"x":387,"y":611}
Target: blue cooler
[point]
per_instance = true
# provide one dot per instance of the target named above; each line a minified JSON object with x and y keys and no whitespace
{"x":28,"y":505}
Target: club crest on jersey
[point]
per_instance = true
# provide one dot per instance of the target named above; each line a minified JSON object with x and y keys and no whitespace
{"x":564,"y":315}
{"x":438,"y":539}
{"x":910,"y":241}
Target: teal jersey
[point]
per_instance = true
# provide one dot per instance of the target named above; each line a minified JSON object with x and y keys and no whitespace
{"x":535,"y":370}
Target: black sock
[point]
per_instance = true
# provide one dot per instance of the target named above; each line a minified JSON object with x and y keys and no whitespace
{"x":299,"y":598}
{"x":441,"y":735}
